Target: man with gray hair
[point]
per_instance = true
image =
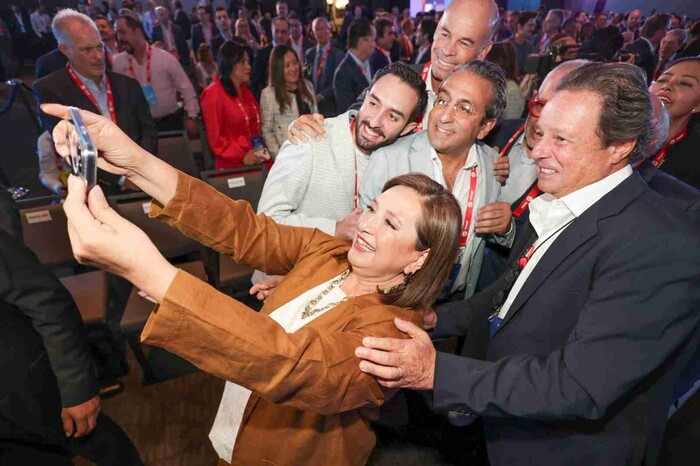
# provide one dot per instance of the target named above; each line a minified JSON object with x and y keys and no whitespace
{"x":672,"y":42}
{"x":550,"y":26}
{"x":571,"y":356}
{"x":467,"y":106}
{"x":83,"y":82}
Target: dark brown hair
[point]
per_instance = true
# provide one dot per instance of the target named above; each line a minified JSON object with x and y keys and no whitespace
{"x":504,"y":55}
{"x":438,"y":230}
{"x":276,"y":78}
{"x":625,"y":113}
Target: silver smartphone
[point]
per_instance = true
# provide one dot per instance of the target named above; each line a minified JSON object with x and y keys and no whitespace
{"x":83,"y":153}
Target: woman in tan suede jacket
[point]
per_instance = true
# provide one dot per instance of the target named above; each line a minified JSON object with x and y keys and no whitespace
{"x":310,"y":403}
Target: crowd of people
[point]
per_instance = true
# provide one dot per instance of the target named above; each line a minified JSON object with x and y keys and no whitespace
{"x":505,"y":176}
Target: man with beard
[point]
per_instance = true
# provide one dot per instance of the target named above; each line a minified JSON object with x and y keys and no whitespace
{"x":316,"y":184}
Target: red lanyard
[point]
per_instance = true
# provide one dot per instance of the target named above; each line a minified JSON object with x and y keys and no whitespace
{"x":424,"y":77}
{"x":322,"y":62}
{"x":354,"y":158}
{"x":470,"y":208}
{"x":88,"y":94}
{"x":525,"y":203}
{"x":660,"y":156}
{"x":385,"y":53}
{"x":148,"y":66}
{"x":407,"y":45}
{"x":239,"y":100}
{"x":512,"y":139}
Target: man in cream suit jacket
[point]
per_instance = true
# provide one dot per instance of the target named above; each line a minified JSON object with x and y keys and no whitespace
{"x":316,"y":184}
{"x":466,"y":108}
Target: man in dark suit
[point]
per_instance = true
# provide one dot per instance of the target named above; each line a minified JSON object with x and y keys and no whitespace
{"x":181,"y":19}
{"x":353,"y":74}
{"x":172,"y":37}
{"x":320,"y":63}
{"x":84,"y":84}
{"x":261,"y":65}
{"x":49,"y":399}
{"x":204,"y":31}
{"x":381,"y":57}
{"x":24,"y":41}
{"x":223,"y":26}
{"x":55,"y":60}
{"x":571,"y":356}
{"x":645,"y":48}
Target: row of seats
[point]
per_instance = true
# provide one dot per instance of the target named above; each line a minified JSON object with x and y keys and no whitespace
{"x":45,"y":232}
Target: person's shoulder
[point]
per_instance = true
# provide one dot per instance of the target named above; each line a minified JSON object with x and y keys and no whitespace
{"x":50,"y":81}
{"x":375,"y":312}
{"x":120,"y":60}
{"x":212,"y":90}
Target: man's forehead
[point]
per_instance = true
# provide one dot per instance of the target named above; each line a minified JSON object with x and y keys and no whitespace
{"x":466,"y":85}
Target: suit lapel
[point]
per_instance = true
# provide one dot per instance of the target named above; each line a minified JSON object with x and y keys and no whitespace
{"x":573,"y":237}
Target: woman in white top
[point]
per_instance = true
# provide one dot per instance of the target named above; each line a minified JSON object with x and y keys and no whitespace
{"x":287,"y":96}
{"x":206,"y":66}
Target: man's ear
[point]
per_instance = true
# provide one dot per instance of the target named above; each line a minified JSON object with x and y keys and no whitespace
{"x":485,"y":51}
{"x":486,"y":128}
{"x":620,"y":151}
{"x":416,"y":265}
{"x":408,"y":128}
{"x":63,"y":49}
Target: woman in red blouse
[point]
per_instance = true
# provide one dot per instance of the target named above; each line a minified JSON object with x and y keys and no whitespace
{"x":231,"y":114}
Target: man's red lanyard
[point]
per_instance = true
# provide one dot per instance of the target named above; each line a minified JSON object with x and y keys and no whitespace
{"x":385,"y":53}
{"x":660,"y":156}
{"x":470,"y":209}
{"x":148,"y":66}
{"x":407,"y":45}
{"x":88,"y":94}
{"x":354,"y":158}
{"x":322,"y":62}
{"x":534,"y":190}
{"x":424,"y":77}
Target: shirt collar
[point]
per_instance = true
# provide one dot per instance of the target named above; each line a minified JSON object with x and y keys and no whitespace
{"x":90,"y":82}
{"x":357,"y":60}
{"x":429,"y":81}
{"x":472,"y":157}
{"x":651,"y":46}
{"x":323,"y":48}
{"x":581,"y":200}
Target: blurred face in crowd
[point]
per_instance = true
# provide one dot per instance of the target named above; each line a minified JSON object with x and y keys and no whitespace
{"x":386,"y":40}
{"x":462,"y":35}
{"x":570,"y":29}
{"x":633,"y":19}
{"x":512,"y":22}
{"x":569,"y":47}
{"x":241,"y":71}
{"x":222,"y":21}
{"x":280,"y":32}
{"x":458,"y":116}
{"x":674,"y":22}
{"x":582,"y":17}
{"x":528,"y":28}
{"x":106,"y":30}
{"x":203,"y":15}
{"x":551,"y":24}
{"x":569,"y":154}
{"x":295,"y":29}
{"x":357,"y":13}
{"x":678,"y":88}
{"x":291,"y":68}
{"x":242,"y":28}
{"x":670,"y":44}
{"x":602,"y":20}
{"x":128,"y":38}
{"x":366,"y":45}
{"x":282,"y":9}
{"x":84,"y":50}
{"x":163,"y":15}
{"x":322,"y":31}
{"x":384,"y":114}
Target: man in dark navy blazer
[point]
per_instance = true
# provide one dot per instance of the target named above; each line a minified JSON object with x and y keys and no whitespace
{"x":646,"y":47}
{"x":326,"y":57}
{"x":381,"y":57}
{"x":571,"y":356}
{"x":353,"y":74}
{"x":175,"y":35}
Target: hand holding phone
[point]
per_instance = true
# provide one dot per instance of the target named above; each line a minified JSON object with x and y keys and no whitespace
{"x":83,"y":153}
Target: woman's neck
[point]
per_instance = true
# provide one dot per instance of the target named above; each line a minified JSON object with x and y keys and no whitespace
{"x":358,"y":284}
{"x":290,"y":86}
{"x":237,"y":85}
{"x":678,"y":125}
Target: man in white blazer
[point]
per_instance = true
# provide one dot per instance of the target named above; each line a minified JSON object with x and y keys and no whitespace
{"x":467,"y":106}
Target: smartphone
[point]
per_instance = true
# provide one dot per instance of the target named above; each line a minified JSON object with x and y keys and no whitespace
{"x":83,"y":153}
{"x":258,"y":146}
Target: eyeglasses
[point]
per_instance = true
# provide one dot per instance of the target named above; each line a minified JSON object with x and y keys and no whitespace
{"x":536,"y":105}
{"x":461,"y":108}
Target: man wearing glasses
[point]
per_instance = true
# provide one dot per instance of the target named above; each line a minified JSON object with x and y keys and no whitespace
{"x":466,"y":108}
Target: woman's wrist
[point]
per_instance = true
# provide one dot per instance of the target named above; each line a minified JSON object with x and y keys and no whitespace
{"x":153,"y":277}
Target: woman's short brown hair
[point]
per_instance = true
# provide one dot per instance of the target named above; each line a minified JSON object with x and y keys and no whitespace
{"x":438,"y":230}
